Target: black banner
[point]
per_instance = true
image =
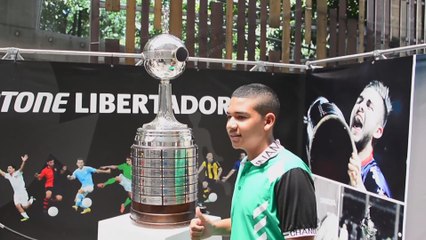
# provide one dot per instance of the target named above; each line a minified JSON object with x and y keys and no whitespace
{"x":92,"y":112}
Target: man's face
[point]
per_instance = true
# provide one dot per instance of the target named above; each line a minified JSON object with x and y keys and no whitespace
{"x":51,"y":163}
{"x":80,"y":163}
{"x":10,"y":169}
{"x":367,"y":117}
{"x":245,"y":126}
{"x":129,"y":161}
{"x":209,"y":157}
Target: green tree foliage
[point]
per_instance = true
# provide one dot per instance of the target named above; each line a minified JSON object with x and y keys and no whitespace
{"x":72,"y":17}
{"x":66,"y":16}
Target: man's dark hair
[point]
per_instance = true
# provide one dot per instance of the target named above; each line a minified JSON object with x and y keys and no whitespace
{"x":13,"y":166}
{"x":383,"y":91}
{"x":51,"y":157}
{"x":268,"y":99}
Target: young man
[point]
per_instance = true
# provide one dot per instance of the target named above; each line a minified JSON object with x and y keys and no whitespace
{"x":84,"y":175}
{"x":124,"y":179}
{"x":50,"y":174}
{"x":367,"y":122}
{"x":20,"y":194}
{"x":274,"y":194}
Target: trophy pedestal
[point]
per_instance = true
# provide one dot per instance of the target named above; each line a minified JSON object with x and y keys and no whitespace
{"x":122,"y":227}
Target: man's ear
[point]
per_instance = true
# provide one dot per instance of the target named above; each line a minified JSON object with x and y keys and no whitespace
{"x":379,"y":132}
{"x":269,"y":121}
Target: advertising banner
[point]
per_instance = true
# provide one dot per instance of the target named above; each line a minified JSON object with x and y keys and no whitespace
{"x":357,"y":140}
{"x":66,"y":111}
{"x":350,"y":124}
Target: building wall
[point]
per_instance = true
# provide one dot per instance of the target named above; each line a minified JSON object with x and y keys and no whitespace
{"x":19,"y":28}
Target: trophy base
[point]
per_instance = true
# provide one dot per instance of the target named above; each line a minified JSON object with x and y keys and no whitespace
{"x":173,"y":215}
{"x":122,"y":227}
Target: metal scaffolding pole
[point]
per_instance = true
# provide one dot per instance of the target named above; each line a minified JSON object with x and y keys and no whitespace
{"x":377,"y":54}
{"x":12,"y":53}
{"x":15,"y":54}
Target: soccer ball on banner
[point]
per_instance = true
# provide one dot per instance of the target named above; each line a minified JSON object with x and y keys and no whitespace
{"x":87,"y":202}
{"x":53,"y":211}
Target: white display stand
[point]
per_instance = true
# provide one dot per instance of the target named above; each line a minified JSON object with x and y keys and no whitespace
{"x":122,"y":227}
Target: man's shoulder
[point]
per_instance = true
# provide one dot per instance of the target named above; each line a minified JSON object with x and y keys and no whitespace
{"x":124,"y":167}
{"x":89,"y":169}
{"x":289,"y":160}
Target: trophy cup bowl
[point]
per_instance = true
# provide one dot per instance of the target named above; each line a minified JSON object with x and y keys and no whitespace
{"x":165,"y":57}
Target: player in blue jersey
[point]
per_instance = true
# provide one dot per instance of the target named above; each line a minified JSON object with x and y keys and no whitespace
{"x":234,"y":168}
{"x":84,"y":175}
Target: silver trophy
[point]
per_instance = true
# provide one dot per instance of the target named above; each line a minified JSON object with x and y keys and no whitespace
{"x":164,"y":155}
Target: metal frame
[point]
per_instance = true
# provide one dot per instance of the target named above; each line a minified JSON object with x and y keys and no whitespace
{"x":15,"y":54}
{"x":377,"y":54}
{"x":12,"y":53}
